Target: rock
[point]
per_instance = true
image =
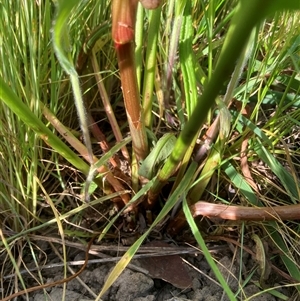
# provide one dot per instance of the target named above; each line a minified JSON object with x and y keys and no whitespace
{"x":148,"y":298}
{"x":251,"y":290}
{"x":56,"y":294}
{"x":131,"y":285}
{"x":178,"y":299}
{"x":229,"y":271}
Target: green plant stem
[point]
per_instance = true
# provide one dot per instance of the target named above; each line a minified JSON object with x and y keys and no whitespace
{"x":172,"y":51}
{"x":62,"y":48}
{"x":205,"y":250}
{"x":150,"y":65}
{"x":139,"y":34}
{"x":248,"y":14}
{"x":187,"y":64}
{"x":215,"y":154}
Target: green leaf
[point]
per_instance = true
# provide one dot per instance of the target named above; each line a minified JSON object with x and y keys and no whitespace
{"x":61,"y":39}
{"x":121,"y":265}
{"x":103,"y":160}
{"x":285,"y":177}
{"x":279,"y":5}
{"x":241,"y":184}
{"x":29,"y":118}
{"x":205,"y":250}
{"x":62,"y":48}
{"x":225,"y":120}
{"x":158,"y":155}
{"x":285,"y":254}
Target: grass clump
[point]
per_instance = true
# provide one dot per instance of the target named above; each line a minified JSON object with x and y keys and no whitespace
{"x":211,"y":105}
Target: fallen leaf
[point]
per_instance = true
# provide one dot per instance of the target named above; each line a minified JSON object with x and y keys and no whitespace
{"x":169,"y":268}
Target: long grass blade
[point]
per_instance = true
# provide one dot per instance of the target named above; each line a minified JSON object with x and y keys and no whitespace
{"x":24,"y":113}
{"x":174,"y":198}
{"x":204,"y":248}
{"x":62,"y":46}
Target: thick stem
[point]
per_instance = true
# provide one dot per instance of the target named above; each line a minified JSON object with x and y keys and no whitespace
{"x":123,"y":20}
{"x":247,"y":15}
{"x":133,"y":107}
{"x":124,"y":17}
{"x":238,"y":213}
{"x":289,"y":212}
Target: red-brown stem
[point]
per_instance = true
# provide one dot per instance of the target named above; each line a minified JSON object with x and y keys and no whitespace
{"x":123,"y":20}
{"x":107,"y":105}
{"x":101,"y":140}
{"x":241,"y":213}
{"x":133,"y":107}
{"x":81,"y":149}
{"x":124,"y":16}
{"x":288,"y":212}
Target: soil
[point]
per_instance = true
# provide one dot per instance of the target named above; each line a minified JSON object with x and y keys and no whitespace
{"x":163,"y":279}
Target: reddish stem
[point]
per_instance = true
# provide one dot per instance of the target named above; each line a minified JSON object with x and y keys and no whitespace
{"x":124,"y":17}
{"x":123,"y":21}
{"x":242,"y":213}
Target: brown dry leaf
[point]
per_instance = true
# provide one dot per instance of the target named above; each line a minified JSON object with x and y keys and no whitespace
{"x":245,"y":166}
{"x":261,"y":257}
{"x":169,"y":268}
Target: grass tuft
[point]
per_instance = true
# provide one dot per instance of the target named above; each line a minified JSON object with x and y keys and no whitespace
{"x":212,"y":108}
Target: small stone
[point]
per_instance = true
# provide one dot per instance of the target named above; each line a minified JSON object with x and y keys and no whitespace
{"x":251,"y":290}
{"x":148,"y":298}
{"x":131,"y":285}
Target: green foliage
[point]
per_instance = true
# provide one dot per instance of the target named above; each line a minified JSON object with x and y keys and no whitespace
{"x":62,"y":47}
{"x":126,"y":258}
{"x":189,"y":54}
{"x":205,"y":250}
{"x":158,"y":155}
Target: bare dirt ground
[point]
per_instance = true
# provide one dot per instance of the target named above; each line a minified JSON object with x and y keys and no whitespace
{"x":186,"y":276}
